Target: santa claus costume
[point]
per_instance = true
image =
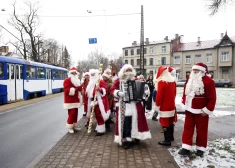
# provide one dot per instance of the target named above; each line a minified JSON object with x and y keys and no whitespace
{"x":71,"y":98}
{"x":101,"y":109}
{"x":86,"y":77}
{"x":165,"y":103}
{"x":131,"y":123}
{"x":199,"y":98}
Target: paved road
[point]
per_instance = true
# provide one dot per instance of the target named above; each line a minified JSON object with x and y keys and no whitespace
{"x":31,"y":130}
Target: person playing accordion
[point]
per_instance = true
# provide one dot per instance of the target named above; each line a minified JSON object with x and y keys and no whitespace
{"x":131,"y":123}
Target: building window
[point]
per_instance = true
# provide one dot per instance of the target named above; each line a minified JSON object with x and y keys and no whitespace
{"x":145,"y":62}
{"x":132,"y":51}
{"x":188,"y":59}
{"x":126,"y":52}
{"x":126,"y":61}
{"x":132,"y":62}
{"x":150,"y":61}
{"x":138,"y":61}
{"x":197,"y":59}
{"x":145,"y":51}
{"x":209,"y":58}
{"x":224,"y":56}
{"x":163,"y":49}
{"x":151,"y":50}
{"x":176,"y":59}
{"x":151,"y":73}
{"x":163,"y":60}
{"x":138,"y":51}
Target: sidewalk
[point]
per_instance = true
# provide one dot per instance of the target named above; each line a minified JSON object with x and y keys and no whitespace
{"x":83,"y":150}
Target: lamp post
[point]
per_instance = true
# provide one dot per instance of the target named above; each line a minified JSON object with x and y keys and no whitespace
{"x":142,"y":42}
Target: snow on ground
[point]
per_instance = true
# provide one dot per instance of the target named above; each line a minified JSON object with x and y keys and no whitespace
{"x":220,"y":152}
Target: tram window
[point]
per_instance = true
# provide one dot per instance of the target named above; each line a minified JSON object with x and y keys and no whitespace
{"x":1,"y":70}
{"x":17,"y":72}
{"x":12,"y":71}
{"x":40,"y":73}
{"x":30,"y":71}
{"x":21,"y":72}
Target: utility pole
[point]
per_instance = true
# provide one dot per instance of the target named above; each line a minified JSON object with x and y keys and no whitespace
{"x":142,"y":42}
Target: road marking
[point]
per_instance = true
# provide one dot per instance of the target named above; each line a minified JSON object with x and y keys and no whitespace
{"x":25,"y":106}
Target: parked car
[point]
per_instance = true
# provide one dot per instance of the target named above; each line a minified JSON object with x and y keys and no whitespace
{"x":180,"y":82}
{"x":223,"y":83}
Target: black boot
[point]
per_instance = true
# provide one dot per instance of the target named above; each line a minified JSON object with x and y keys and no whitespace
{"x":199,"y":153}
{"x":167,"y":141}
{"x":126,"y":144}
{"x":87,"y":124}
{"x":184,"y":152}
{"x":172,"y":132}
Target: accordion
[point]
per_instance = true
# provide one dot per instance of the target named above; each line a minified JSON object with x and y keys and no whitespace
{"x":134,"y":90}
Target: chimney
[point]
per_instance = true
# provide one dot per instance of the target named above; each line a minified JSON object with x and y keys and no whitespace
{"x":176,"y":36}
{"x":147,"y":41}
{"x":134,"y":43}
{"x":166,"y":38}
{"x":198,"y":40}
{"x":222,"y":35}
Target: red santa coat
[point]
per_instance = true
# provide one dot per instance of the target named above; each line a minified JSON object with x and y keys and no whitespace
{"x":165,"y":99}
{"x":205,"y":102}
{"x":102,"y":101}
{"x":140,"y":128}
{"x":84,"y":96}
{"x":71,"y":98}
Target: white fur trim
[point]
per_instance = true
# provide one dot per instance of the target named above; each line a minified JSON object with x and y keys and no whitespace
{"x":105,"y":114}
{"x":100,"y":128}
{"x":106,"y":75}
{"x":117,"y":140}
{"x":72,"y":91}
{"x":93,"y":71}
{"x":69,"y":126}
{"x":207,"y":111}
{"x":71,"y":105}
{"x":80,"y":97}
{"x":166,"y":114}
{"x":115,"y":93}
{"x":201,"y":148}
{"x":199,"y":68}
{"x":123,"y":70}
{"x":89,"y":108}
{"x":186,"y":146}
{"x":194,"y":111}
{"x":70,"y":71}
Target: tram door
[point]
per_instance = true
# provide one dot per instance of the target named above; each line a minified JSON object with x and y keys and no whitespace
{"x":15,"y":82}
{"x":48,"y":77}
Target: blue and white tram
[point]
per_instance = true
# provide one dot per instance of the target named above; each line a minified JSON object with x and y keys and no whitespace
{"x":22,"y":79}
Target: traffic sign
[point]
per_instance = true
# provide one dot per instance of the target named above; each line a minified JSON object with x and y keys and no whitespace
{"x":92,"y":40}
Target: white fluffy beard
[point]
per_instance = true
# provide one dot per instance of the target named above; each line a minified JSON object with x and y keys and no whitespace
{"x":74,"y":79}
{"x":195,"y":84}
{"x":128,"y":76}
{"x":90,"y":87}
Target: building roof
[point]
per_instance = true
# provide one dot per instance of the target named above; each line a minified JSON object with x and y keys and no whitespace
{"x":150,"y":43}
{"x":200,"y":45}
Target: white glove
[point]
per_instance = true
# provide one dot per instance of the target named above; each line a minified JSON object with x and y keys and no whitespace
{"x":93,"y":103}
{"x":147,"y":92}
{"x":121,"y":94}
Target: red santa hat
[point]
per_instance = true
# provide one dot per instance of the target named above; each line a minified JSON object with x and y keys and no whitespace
{"x":172,"y":71}
{"x":161,"y":69}
{"x":200,"y":66}
{"x":85,"y":73}
{"x":73,"y":69}
{"x":107,"y":73}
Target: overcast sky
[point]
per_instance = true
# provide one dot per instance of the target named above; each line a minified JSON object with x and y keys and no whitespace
{"x":69,"y":22}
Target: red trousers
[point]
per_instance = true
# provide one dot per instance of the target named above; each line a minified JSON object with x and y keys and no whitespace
{"x":166,"y":122}
{"x":201,"y":124}
{"x":72,"y":116}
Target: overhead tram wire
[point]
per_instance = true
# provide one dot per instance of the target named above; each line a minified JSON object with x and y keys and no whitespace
{"x":74,"y":16}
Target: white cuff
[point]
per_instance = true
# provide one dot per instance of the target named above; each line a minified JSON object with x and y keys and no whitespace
{"x":72,"y":91}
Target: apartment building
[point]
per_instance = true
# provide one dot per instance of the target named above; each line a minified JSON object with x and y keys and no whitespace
{"x":218,"y":55}
{"x":156,"y":53}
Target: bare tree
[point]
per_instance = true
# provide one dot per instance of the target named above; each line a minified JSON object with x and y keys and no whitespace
{"x":26,"y":26}
{"x":215,"y":5}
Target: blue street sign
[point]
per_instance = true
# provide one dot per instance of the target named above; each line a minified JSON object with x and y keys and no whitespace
{"x":92,"y":40}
